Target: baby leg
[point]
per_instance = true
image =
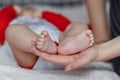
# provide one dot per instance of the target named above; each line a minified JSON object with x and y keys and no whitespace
{"x":45,"y":43}
{"x":76,"y":38}
{"x":19,"y":38}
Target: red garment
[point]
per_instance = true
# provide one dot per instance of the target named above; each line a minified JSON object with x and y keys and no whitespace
{"x":6,"y":15}
{"x":30,"y":67}
{"x":60,"y":21}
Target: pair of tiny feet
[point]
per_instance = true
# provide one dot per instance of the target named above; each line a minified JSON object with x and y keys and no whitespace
{"x":70,"y":45}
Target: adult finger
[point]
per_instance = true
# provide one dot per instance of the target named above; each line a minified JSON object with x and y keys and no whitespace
{"x":80,"y":62}
{"x":34,"y":50}
{"x":84,"y":58}
{"x":64,"y":60}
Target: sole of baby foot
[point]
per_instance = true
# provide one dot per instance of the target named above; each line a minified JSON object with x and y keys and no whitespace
{"x":76,"y":43}
{"x":45,"y":43}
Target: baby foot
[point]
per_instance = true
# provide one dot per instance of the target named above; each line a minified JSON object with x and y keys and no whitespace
{"x":18,"y":9}
{"x":45,"y":43}
{"x":76,"y":43}
{"x":37,"y":14}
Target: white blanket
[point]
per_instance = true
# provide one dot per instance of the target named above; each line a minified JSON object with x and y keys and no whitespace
{"x":9,"y":70}
{"x":14,"y":73}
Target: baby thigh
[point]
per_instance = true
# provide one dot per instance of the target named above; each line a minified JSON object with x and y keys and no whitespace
{"x":19,"y":38}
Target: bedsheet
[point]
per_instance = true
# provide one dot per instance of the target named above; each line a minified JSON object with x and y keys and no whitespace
{"x":9,"y":70}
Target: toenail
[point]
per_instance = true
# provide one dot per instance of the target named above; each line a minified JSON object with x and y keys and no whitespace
{"x":91,"y":35}
{"x":89,"y":31}
{"x":92,"y":38}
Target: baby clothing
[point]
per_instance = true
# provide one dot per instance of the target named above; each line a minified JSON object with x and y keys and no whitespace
{"x":37,"y":25}
{"x":6,"y":15}
{"x":60,"y":21}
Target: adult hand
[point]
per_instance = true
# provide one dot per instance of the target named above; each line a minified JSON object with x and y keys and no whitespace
{"x":59,"y":59}
{"x":83,"y":59}
{"x":71,"y":61}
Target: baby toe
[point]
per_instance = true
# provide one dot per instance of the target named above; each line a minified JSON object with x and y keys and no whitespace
{"x":41,"y":36}
{"x":91,"y":42}
{"x":88,"y":32}
{"x":39,"y":46}
{"x":42,"y":40}
{"x":45,"y":33}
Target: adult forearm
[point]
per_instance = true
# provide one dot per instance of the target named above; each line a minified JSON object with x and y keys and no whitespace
{"x":98,"y":19}
{"x":108,"y":50}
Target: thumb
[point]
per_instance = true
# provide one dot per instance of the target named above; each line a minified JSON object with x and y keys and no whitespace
{"x":76,"y":64}
{"x":34,"y":50}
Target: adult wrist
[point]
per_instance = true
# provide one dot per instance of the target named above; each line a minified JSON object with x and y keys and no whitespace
{"x":101,"y":53}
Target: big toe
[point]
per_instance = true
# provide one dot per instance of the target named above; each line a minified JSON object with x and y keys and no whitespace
{"x":45,"y":33}
{"x":90,"y":36}
{"x":88,"y":32}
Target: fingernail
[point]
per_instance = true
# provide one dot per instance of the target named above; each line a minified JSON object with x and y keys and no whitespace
{"x":68,"y":68}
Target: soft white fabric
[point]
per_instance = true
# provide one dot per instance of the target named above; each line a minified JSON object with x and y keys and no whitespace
{"x":10,"y":71}
{"x":13,"y":73}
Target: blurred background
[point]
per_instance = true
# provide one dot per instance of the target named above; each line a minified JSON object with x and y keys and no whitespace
{"x":59,"y":3}
{"x":75,"y":10}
